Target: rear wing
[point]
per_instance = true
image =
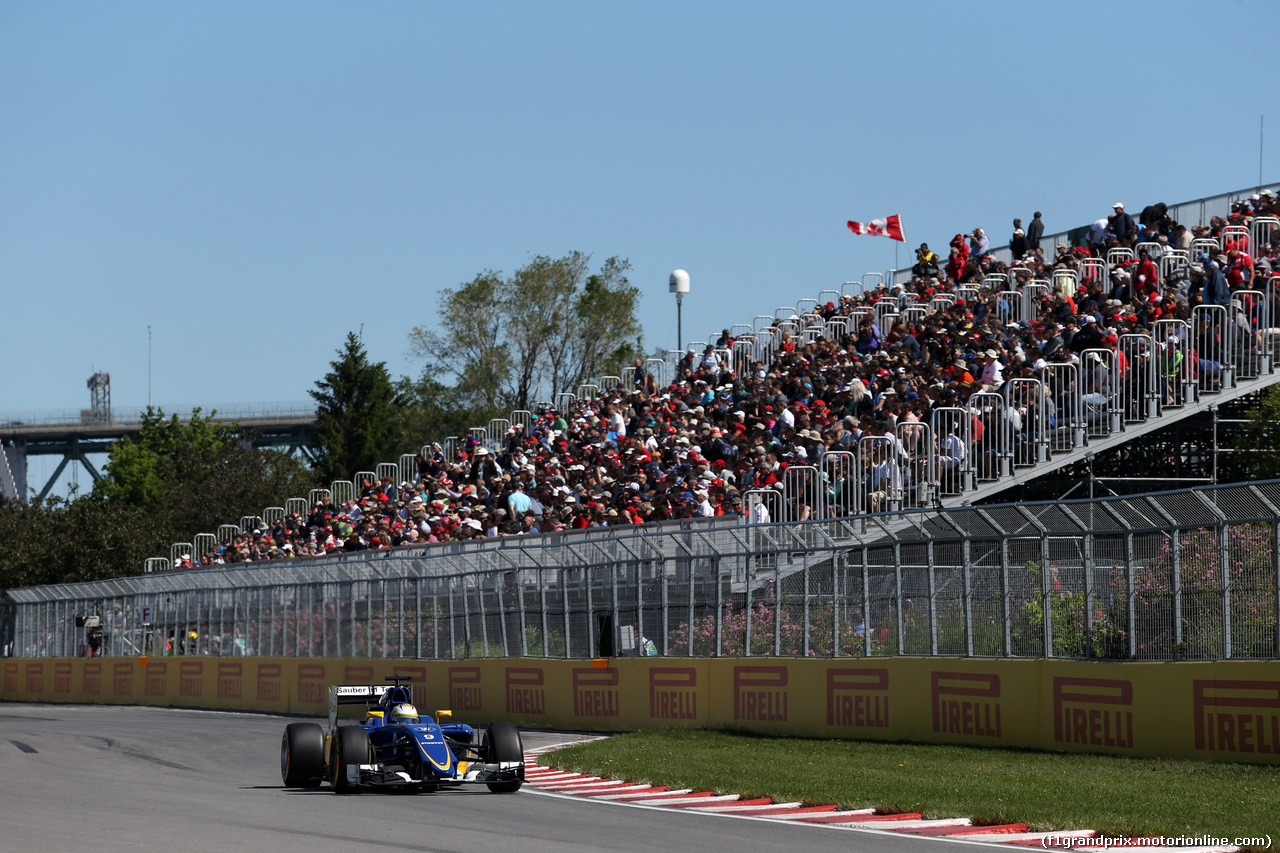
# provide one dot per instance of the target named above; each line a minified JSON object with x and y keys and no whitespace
{"x":365,"y":694}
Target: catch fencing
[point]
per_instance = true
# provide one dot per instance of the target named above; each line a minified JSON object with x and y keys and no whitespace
{"x":1191,"y":574}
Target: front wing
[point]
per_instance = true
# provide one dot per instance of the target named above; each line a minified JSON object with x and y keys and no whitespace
{"x":395,"y":775}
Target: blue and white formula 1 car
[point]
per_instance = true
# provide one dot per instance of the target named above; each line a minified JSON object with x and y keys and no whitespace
{"x":395,"y":747}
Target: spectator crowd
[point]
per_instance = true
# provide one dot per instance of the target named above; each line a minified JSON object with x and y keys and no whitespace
{"x":733,"y":419}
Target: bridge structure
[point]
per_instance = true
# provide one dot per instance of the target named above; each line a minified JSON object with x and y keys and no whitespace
{"x":76,"y":435}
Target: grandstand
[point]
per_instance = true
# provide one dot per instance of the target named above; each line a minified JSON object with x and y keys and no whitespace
{"x":913,"y":390}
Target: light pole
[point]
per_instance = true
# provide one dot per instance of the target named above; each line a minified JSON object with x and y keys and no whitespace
{"x":679,"y":285}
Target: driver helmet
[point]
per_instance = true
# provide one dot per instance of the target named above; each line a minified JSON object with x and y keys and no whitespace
{"x":403,"y":713}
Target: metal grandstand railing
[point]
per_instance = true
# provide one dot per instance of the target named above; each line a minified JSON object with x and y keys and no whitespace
{"x":1191,"y":574}
{"x":1189,"y":213}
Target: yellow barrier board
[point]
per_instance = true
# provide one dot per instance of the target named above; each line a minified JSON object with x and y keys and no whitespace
{"x":1219,"y":710}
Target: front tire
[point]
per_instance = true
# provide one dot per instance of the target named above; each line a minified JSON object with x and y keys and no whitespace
{"x":350,"y":746}
{"x":502,"y":744}
{"x":302,"y":755}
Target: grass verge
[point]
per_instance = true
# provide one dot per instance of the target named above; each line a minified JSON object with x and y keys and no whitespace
{"x":1116,"y":796}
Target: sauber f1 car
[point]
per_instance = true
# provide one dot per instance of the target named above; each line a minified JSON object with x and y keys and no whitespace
{"x":395,"y":747}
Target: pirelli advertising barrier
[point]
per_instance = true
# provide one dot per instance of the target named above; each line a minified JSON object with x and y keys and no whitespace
{"x":1226,"y":710}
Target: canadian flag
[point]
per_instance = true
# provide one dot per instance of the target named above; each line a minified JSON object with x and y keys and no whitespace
{"x":890,"y":226}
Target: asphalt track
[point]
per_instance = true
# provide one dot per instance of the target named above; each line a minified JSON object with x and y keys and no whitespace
{"x":112,"y":779}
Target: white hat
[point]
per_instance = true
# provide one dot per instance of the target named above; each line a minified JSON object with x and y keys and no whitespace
{"x":1119,"y":204}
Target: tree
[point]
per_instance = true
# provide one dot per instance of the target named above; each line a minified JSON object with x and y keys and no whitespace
{"x":60,"y":541}
{"x":1261,"y":440}
{"x":173,"y":480}
{"x":354,"y":413}
{"x":549,"y":328}
{"x":190,"y":477}
{"x":469,"y":348}
{"x":427,"y":409}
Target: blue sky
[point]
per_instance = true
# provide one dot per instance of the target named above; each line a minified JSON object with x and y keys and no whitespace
{"x":254,"y":180}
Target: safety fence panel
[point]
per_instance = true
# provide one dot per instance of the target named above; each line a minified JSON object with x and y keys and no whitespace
{"x":1034,"y":295}
{"x":1173,"y":262}
{"x":1176,"y":367}
{"x":992,"y":436}
{"x":1094,"y":270}
{"x":1213,"y":338}
{"x":1249,"y":316}
{"x":1026,"y":407}
{"x":1204,"y":247}
{"x":1100,"y":383}
{"x":1066,"y":281}
{"x":342,"y":491}
{"x":953,"y":431}
{"x":1137,"y":378}
{"x":1009,"y":306}
{"x":839,"y":478}
{"x":1065,"y":422}
{"x":1262,"y":234}
{"x":918,"y":452}
{"x":1118,"y":256}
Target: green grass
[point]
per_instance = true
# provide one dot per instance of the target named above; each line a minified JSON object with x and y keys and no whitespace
{"x":1116,"y":796}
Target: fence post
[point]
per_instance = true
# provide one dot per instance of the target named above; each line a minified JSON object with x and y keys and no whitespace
{"x":666,"y":608}
{"x":835,"y":603}
{"x":499,"y":584}
{"x":689,"y":613}
{"x":1046,"y":596}
{"x":777,"y":606}
{"x":968,"y":599}
{"x":453,"y":640}
{"x":564,"y":597}
{"x":1006,"y":617}
{"x":312,"y":612}
{"x":615,"y":618}
{"x":1088,"y":594}
{"x":386,"y":623}
{"x":1132,"y":614}
{"x":746,"y":648}
{"x":1175,"y":549}
{"x":417,"y":618}
{"x":542,"y":605}
{"x":720,"y":607}
{"x":1224,"y":558}
{"x":866,"y":605}
{"x":466,"y":617}
{"x":897,"y":593}
{"x":804,"y":649}
{"x":1275,"y":560}
{"x":933,"y":601}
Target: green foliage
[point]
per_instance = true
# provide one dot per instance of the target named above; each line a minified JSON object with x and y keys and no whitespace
{"x":140,"y":470}
{"x":548,"y":328}
{"x":168,"y":483}
{"x":1261,"y":442}
{"x":354,"y":414}
{"x":425,"y":409}
{"x":60,"y":541}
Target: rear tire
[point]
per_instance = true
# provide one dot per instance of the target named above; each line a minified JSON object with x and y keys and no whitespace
{"x":302,"y":755}
{"x":350,"y":746}
{"x":502,"y":744}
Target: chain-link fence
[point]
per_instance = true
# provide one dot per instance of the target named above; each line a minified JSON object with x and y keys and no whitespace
{"x":1178,"y":575}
